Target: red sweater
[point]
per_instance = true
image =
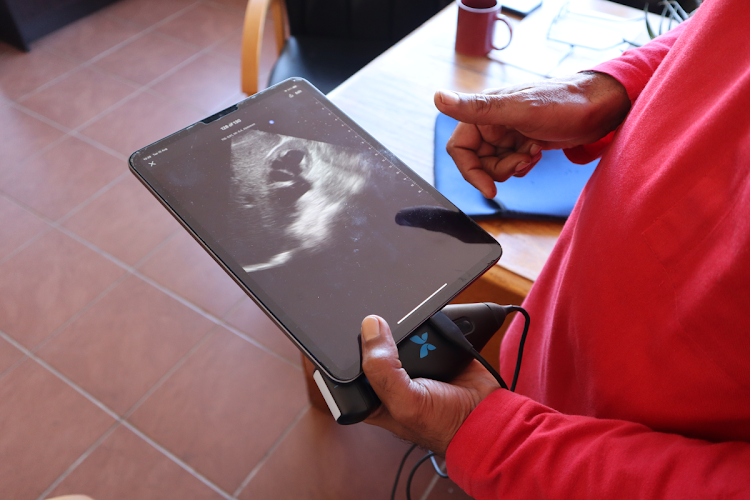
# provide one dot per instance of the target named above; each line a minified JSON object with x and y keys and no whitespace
{"x":636,"y":377}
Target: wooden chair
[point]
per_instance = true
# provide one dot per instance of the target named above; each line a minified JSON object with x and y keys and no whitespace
{"x":252,"y":38}
{"x":326,"y":41}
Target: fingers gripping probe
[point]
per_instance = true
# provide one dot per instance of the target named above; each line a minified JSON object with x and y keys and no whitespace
{"x":440,"y":349}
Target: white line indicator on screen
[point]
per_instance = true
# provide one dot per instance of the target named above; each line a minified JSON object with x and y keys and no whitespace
{"x":422,"y":303}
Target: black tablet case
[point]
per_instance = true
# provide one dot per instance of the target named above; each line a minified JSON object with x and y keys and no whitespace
{"x":548,"y":192}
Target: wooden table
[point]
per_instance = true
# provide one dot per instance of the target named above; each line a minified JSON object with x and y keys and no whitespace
{"x":392,"y":98}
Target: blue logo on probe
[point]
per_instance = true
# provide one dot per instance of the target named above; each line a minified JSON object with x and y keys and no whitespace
{"x":422,"y":340}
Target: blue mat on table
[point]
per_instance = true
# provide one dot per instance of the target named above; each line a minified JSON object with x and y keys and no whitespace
{"x":548,"y":192}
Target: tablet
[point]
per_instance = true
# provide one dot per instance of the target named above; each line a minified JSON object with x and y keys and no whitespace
{"x":318,"y":223}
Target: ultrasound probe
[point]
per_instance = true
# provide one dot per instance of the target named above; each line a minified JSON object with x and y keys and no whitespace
{"x":440,"y":349}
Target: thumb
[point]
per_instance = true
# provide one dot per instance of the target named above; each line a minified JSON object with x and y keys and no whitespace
{"x":382,"y":367}
{"x":481,"y":109}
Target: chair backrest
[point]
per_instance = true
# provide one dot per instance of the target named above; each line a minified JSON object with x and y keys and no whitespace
{"x":360,"y":19}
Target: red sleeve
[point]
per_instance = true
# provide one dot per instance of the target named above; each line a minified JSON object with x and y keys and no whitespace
{"x":633,"y":69}
{"x":513,"y":447}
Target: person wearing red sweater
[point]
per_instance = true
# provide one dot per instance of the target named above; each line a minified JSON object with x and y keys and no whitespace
{"x":636,"y":374}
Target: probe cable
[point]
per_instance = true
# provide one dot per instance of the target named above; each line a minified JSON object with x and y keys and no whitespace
{"x":464,"y":344}
{"x":414,"y":471}
{"x":526,"y":323}
{"x":400,"y":468}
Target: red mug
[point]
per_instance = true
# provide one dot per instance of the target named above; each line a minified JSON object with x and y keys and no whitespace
{"x":476,"y":26}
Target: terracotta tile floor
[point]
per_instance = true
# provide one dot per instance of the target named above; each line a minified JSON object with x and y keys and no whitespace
{"x":131,"y":366}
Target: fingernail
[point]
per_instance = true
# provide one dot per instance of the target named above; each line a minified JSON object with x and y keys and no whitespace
{"x":535,"y":148}
{"x":370,"y":329}
{"x":521,"y":166}
{"x":449,"y":98}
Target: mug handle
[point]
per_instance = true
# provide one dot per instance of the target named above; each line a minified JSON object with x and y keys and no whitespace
{"x":504,"y":19}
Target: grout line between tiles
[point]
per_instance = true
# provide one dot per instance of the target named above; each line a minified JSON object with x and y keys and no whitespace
{"x":131,"y":270}
{"x":234,"y":307}
{"x":79,"y":66}
{"x":13,"y":366}
{"x":141,"y":33}
{"x":39,"y":152}
{"x":138,"y":90}
{"x":270,"y":451}
{"x":224,"y":7}
{"x":31,"y":240}
{"x":216,"y":320}
{"x":130,"y":411}
{"x":78,"y":461}
{"x":204,"y":51}
{"x":147,"y":88}
{"x":171,"y":71}
{"x":177,"y":460}
{"x":115,"y":416}
{"x":16,"y":104}
{"x":141,"y":90}
{"x":76,"y":132}
{"x":158,"y":247}
{"x":101,"y":55}
{"x":65,"y":217}
{"x":201,"y":51}
{"x":430,"y":487}
{"x":169,"y":373}
{"x":96,"y":194}
{"x":225,"y":57}
{"x":39,"y":345}
{"x":179,"y":298}
{"x":66,"y":134}
{"x":59,"y":375}
{"x":134,"y":271}
{"x":149,"y":29}
{"x":20,"y":107}
{"x":100,"y":146}
{"x":54,"y":80}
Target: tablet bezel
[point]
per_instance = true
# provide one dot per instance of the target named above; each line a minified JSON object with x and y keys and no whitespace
{"x":231,"y":267}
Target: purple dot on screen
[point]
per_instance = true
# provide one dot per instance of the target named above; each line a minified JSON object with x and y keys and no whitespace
{"x":271,"y":122}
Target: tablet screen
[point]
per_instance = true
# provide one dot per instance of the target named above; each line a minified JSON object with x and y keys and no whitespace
{"x":318,"y":221}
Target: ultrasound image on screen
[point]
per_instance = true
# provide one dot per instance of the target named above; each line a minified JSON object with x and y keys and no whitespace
{"x":295,"y":192}
{"x":323,"y":227}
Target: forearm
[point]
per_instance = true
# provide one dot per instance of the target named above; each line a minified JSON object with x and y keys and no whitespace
{"x":511,"y":446}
